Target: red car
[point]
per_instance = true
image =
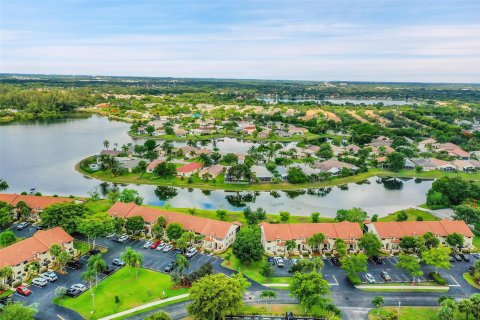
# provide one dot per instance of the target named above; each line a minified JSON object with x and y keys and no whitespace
{"x":155,"y":244}
{"x":24,"y":291}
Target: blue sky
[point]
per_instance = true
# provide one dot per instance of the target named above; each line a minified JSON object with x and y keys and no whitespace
{"x":372,"y":40}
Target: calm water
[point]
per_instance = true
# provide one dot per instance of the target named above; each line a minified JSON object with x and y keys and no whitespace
{"x":42,"y":155}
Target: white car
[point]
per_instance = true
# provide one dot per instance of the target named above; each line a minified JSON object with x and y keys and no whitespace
{"x":191,"y":252}
{"x":123,"y":238}
{"x":147,"y":244}
{"x":168,"y":248}
{"x":369,"y":278}
{"x":161,"y":246}
{"x":79,"y":286}
{"x":111,"y":235}
{"x":41,"y":282}
{"x":279,"y":262}
{"x":49,"y":276}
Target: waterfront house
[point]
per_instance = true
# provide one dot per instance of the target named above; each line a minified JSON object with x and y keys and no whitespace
{"x":391,"y":233}
{"x":211,"y":172}
{"x":218,"y":235}
{"x":334,"y":166}
{"x":261,"y":173}
{"x":152,"y":165}
{"x":180,"y":133}
{"x":275,"y":236}
{"x":36,"y":248}
{"x":189,"y":169}
{"x":428,"y":164}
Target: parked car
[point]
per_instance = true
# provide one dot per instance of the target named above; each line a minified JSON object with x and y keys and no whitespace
{"x":111,"y":235}
{"x":294,"y":261}
{"x":118,"y":262}
{"x":79,"y":286}
{"x":476,"y":255}
{"x":457,"y":257}
{"x":271,"y":260}
{"x":385,"y":276}
{"x":170,"y":266}
{"x":464,"y":257}
{"x":377,"y":260}
{"x":24,"y":291}
{"x":74,"y":264}
{"x":108,"y":270}
{"x":38,"y":281}
{"x":178,"y":251}
{"x":155,"y":244}
{"x":72,"y":292}
{"x":40,"y":227}
{"x":471,"y":270}
{"x":94,"y":252}
{"x":335,"y":261}
{"x":147,"y":244}
{"x":22,"y":225}
{"x":49,"y":276}
{"x":279,"y":262}
{"x":452,"y":259}
{"x":191,"y":252}
{"x":161,"y":246}
{"x":168,"y":248}
{"x":122,"y":238}
{"x":369,"y":278}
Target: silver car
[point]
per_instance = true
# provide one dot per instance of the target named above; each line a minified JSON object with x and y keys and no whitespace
{"x":41,"y":282}
{"x":49,"y":276}
{"x":147,"y":244}
{"x":369,"y":278}
{"x":79,"y":286}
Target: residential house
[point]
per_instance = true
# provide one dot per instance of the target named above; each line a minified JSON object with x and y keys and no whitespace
{"x":380,"y":142}
{"x":429,"y":164}
{"x":36,"y":203}
{"x":111,"y":153}
{"x":274,"y":237}
{"x":211,"y":172}
{"x":188,"y":151}
{"x":452,"y":149}
{"x":218,"y":235}
{"x":352,"y":148}
{"x":264,"y":134}
{"x":467,"y":165}
{"x":189,"y":169}
{"x":334,"y":166}
{"x":282,"y":133}
{"x":297,"y":131}
{"x":129,"y":163}
{"x":391,"y":233}
{"x":261,"y":173}
{"x":36,"y":248}
{"x":152,"y":165}
{"x":180,"y":133}
{"x":425,"y":145}
{"x":241,"y":157}
{"x":249,"y":130}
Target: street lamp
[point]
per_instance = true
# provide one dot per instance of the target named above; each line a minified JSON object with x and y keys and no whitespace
{"x":399,"y":303}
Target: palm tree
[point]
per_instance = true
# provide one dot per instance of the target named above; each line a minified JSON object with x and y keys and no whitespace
{"x":377,"y":302}
{"x":55,"y":250}
{"x":133,"y":259}
{"x":90,"y":276}
{"x":316,"y":240}
{"x":5,"y":273}
{"x":106,"y":144}
{"x":96,"y":264}
{"x":269,"y":295}
{"x":182,"y":263}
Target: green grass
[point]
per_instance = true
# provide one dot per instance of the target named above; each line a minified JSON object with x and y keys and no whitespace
{"x":6,"y":293}
{"x":82,"y":247}
{"x":132,"y":292}
{"x":469,"y":278}
{"x":252,"y":271}
{"x":476,"y":242}
{"x":412,"y":215}
{"x":275,"y":309}
{"x":157,"y":307}
{"x":411,"y":313}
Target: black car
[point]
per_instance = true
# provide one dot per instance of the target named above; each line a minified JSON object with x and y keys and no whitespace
{"x":464,"y":257}
{"x":178,"y":251}
{"x":452,"y":259}
{"x":476,"y":255}
{"x":335,"y":261}
{"x":108,"y":270}
{"x":170,"y":267}
{"x":93,"y":252}
{"x":377,"y":260}
{"x":6,"y":300}
{"x":74,"y":264}
{"x":457,"y":257}
{"x":471,"y":270}
{"x":40,"y":226}
{"x":73,"y":292}
{"x":22,"y":225}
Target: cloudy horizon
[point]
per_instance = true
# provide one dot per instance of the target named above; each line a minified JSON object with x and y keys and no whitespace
{"x":370,"y":40}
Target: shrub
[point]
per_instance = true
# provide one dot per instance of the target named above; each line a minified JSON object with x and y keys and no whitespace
{"x":419,"y":218}
{"x":438,"y":278}
{"x":117,"y":299}
{"x":354,"y":279}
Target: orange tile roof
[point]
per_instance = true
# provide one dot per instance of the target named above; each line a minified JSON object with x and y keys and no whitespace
{"x":33,"y":202}
{"x":152,"y":165}
{"x":203,"y":226}
{"x":415,"y":228}
{"x":343,"y":230}
{"x":26,"y":249}
{"x":190,"y":167}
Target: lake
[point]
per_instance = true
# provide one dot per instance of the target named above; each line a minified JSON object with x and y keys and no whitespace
{"x":42,"y":155}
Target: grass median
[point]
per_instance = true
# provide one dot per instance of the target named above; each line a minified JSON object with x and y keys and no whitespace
{"x":132,"y":291}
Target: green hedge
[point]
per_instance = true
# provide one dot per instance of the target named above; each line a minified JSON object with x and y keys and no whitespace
{"x":354,"y":279}
{"x":438,"y":278}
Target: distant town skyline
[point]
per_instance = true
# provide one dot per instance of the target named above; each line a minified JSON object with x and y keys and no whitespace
{"x":371,"y":40}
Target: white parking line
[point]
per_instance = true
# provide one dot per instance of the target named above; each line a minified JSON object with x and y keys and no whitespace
{"x":336,"y":282}
{"x":456,"y":283}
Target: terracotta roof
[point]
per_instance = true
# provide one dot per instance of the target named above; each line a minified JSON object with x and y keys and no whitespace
{"x":415,"y":228}
{"x":214,"y":170}
{"x":190,"y":167}
{"x":26,"y":249}
{"x":203,"y":226}
{"x":152,"y":165}
{"x":295,"y":231}
{"x":33,"y":202}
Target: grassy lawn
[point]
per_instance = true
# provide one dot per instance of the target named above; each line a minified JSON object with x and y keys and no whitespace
{"x":411,"y":313}
{"x":275,"y":309}
{"x":82,"y":247}
{"x":412,"y":215}
{"x":158,"y":306}
{"x":476,"y":242}
{"x":131,"y":291}
{"x":405,"y":287}
{"x":252,"y":271}
{"x":6,"y":293}
{"x":469,"y":278}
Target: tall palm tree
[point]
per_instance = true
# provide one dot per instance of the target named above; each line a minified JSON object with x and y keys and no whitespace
{"x":90,"y":276}
{"x":96,"y":264}
{"x":182,"y":263}
{"x":132,"y":258}
{"x":268,"y":295}
{"x":106,"y":144}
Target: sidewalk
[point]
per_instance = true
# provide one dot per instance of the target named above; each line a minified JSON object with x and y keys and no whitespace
{"x":143,"y":307}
